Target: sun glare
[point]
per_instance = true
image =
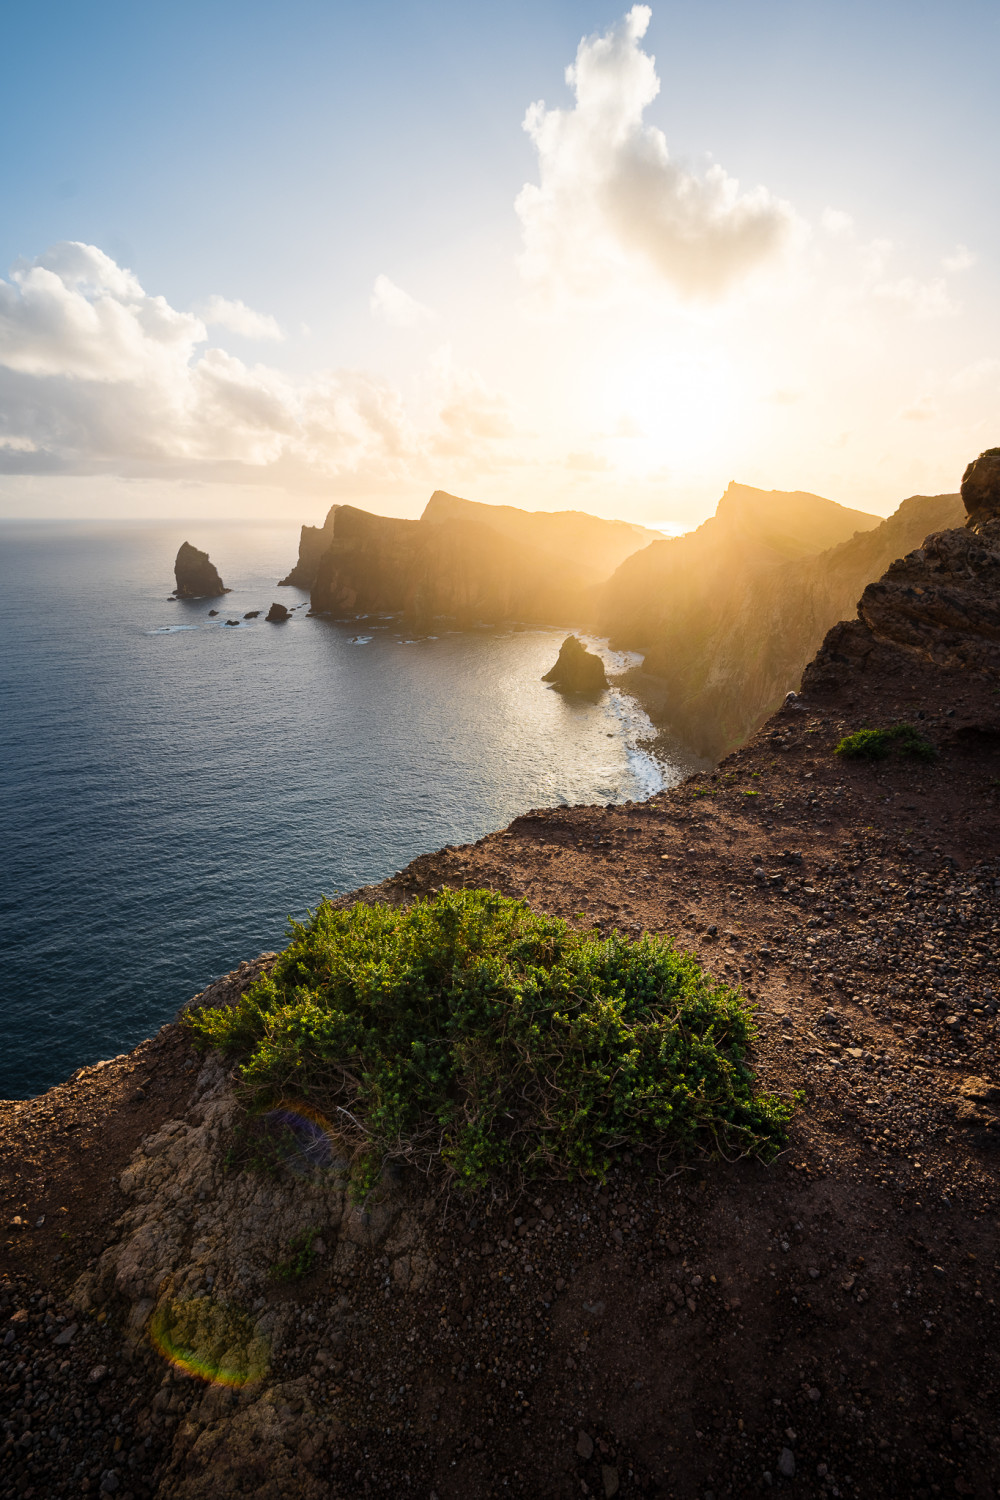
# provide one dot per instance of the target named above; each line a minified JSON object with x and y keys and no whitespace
{"x":659,"y":408}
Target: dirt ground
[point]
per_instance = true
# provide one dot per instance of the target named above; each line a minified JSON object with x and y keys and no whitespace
{"x":826,"y":1325}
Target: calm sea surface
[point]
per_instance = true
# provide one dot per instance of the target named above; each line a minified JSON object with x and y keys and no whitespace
{"x":172,"y":789}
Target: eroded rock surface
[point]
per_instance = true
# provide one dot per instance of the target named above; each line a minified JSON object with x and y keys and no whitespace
{"x":981,"y":489}
{"x":940,"y":603}
{"x":198,"y":1267}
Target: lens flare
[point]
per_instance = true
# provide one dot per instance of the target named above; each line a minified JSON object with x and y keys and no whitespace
{"x":305,"y":1139}
{"x":213,"y":1342}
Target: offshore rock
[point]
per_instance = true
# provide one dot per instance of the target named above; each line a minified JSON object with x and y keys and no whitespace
{"x":197,"y":577}
{"x":981,"y":489}
{"x":278,"y":614}
{"x":577,"y":670}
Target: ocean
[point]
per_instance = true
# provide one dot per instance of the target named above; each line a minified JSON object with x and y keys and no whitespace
{"x":172,"y":789}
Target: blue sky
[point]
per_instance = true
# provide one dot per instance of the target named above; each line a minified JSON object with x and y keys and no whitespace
{"x":284,"y":157}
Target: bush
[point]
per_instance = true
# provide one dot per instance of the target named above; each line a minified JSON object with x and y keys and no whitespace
{"x":878,"y":744}
{"x":471,"y":1034}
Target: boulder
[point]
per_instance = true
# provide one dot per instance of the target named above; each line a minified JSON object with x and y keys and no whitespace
{"x":981,"y":489}
{"x":277,"y":614}
{"x":197,"y":577}
{"x":577,"y":670}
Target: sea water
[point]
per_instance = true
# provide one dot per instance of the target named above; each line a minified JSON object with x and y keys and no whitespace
{"x":173,"y":788}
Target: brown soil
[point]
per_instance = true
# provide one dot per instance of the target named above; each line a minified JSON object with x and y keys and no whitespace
{"x":699,"y":1335}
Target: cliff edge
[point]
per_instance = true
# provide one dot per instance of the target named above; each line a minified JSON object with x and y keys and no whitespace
{"x":182,"y":1323}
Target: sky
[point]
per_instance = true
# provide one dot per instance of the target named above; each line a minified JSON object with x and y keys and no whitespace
{"x":257,"y":259}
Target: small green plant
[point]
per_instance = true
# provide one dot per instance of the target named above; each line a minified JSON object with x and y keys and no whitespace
{"x":301,"y":1260}
{"x":879,"y":744}
{"x":470,"y":1035}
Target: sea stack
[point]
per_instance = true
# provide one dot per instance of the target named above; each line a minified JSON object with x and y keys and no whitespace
{"x":196,"y":575}
{"x":981,"y":489}
{"x":577,"y":670}
{"x":278,"y":614}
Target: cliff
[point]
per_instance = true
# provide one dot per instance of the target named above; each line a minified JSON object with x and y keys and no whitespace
{"x":470,"y":562}
{"x":182,"y":1323}
{"x":728,"y":617}
{"x":196,"y":575}
{"x":313,"y":542}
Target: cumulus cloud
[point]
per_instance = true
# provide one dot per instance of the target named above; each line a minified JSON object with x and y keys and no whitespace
{"x":238,"y":318}
{"x":394,"y":306}
{"x":610,"y":201}
{"x":96,"y":372}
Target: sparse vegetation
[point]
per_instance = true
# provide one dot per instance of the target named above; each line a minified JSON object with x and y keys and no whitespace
{"x":470,"y":1034}
{"x":301,"y":1258}
{"x":879,"y":744}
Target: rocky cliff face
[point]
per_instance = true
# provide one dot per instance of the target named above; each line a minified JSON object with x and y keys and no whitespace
{"x":728,"y":623}
{"x":470,"y":562}
{"x":196,"y":576}
{"x":940,"y":604}
{"x":313,"y":542}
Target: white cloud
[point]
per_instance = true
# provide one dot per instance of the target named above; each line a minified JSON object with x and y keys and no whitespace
{"x":960,"y":259}
{"x":610,"y":202}
{"x":396,"y":307}
{"x":920,"y":299}
{"x":835,"y":221}
{"x":94,"y":371}
{"x":469,"y":413}
{"x":238,"y":318}
{"x":98,"y":376}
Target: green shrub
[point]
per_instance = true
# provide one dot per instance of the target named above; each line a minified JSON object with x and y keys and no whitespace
{"x":878,"y":744}
{"x":469,"y":1033}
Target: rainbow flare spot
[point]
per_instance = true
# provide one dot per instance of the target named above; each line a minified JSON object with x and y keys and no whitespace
{"x":211,"y":1341}
{"x":305,"y":1138}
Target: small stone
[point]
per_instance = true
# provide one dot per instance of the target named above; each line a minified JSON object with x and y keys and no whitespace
{"x":109,"y":1484}
{"x":585,"y":1445}
{"x":786,"y":1463}
{"x":610,"y":1478}
{"x":66,"y":1336}
{"x":97,"y":1374}
{"x":813,"y":1393}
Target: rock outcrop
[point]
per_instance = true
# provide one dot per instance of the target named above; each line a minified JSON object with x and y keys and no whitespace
{"x":981,"y":489}
{"x":196,"y":575}
{"x":940,"y":603}
{"x":577,"y":670}
{"x":277,"y":614}
{"x":313,"y":542}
